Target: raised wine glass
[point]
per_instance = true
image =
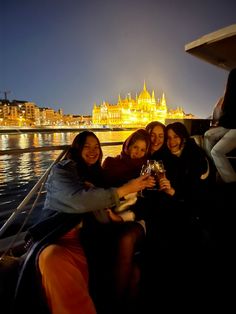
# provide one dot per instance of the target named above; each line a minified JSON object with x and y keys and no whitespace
{"x":160,"y":168}
{"x":153,"y":171}
{"x":144,"y":170}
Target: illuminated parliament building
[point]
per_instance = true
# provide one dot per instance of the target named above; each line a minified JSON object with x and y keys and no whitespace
{"x":130,"y":112}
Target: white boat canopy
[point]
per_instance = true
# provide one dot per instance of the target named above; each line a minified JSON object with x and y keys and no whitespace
{"x":218,"y":48}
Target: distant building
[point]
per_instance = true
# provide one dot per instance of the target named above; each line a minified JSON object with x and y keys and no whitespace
{"x":130,"y":112}
{"x":21,"y":113}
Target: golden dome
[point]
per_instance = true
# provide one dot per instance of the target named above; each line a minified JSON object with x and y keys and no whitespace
{"x":144,"y":93}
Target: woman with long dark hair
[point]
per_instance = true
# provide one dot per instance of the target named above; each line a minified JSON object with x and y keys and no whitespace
{"x":156,"y":129}
{"x":57,"y":260}
{"x":175,"y":236}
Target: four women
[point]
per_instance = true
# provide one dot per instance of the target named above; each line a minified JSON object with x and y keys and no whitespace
{"x":81,"y":191}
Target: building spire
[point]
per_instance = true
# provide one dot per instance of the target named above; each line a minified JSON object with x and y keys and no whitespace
{"x":163,"y":100}
{"x":153,"y":95}
{"x":144,"y":86}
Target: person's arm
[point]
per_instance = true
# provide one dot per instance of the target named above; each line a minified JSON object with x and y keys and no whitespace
{"x":166,"y":187}
{"x":136,"y":185}
{"x":66,"y":192}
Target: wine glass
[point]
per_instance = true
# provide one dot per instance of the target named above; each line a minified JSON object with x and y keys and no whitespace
{"x":153,"y":171}
{"x":144,"y":170}
{"x":160,"y":168}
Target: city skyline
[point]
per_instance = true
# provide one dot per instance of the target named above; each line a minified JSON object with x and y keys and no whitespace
{"x":72,"y":54}
{"x":127,"y":112}
{"x":119,"y":96}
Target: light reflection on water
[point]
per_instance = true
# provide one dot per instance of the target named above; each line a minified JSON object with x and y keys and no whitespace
{"x":18,"y":173}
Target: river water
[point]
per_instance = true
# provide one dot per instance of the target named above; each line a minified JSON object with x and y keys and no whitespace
{"x":18,"y":173}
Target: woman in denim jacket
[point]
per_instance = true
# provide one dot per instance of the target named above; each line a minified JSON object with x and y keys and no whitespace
{"x":56,"y":261}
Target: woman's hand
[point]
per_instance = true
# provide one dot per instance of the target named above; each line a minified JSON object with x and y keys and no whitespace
{"x":165,"y":186}
{"x":149,"y":181}
{"x":136,"y":185}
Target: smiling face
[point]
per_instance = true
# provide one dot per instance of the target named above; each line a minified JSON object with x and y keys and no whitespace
{"x":173,"y":141}
{"x":157,"y":138}
{"x":137,"y":149}
{"x":91,"y":151}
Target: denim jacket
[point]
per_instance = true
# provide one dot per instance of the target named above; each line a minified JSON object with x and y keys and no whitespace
{"x":67,"y":192}
{"x":67,"y":198}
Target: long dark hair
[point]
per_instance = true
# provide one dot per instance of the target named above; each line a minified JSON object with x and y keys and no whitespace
{"x":92,"y":172}
{"x":150,"y":126}
{"x":179,"y":129}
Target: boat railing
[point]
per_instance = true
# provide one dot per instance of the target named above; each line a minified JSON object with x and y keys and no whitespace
{"x":36,"y":191}
{"x":46,"y":148}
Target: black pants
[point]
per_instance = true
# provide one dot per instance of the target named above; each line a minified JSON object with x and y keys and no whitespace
{"x":112,"y":251}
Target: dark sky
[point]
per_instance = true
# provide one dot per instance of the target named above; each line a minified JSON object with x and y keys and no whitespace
{"x":72,"y":53}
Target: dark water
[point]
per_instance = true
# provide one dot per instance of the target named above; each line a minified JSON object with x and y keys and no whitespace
{"x":18,"y":173}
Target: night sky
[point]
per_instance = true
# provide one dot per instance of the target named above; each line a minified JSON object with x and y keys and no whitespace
{"x":71,"y":54}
